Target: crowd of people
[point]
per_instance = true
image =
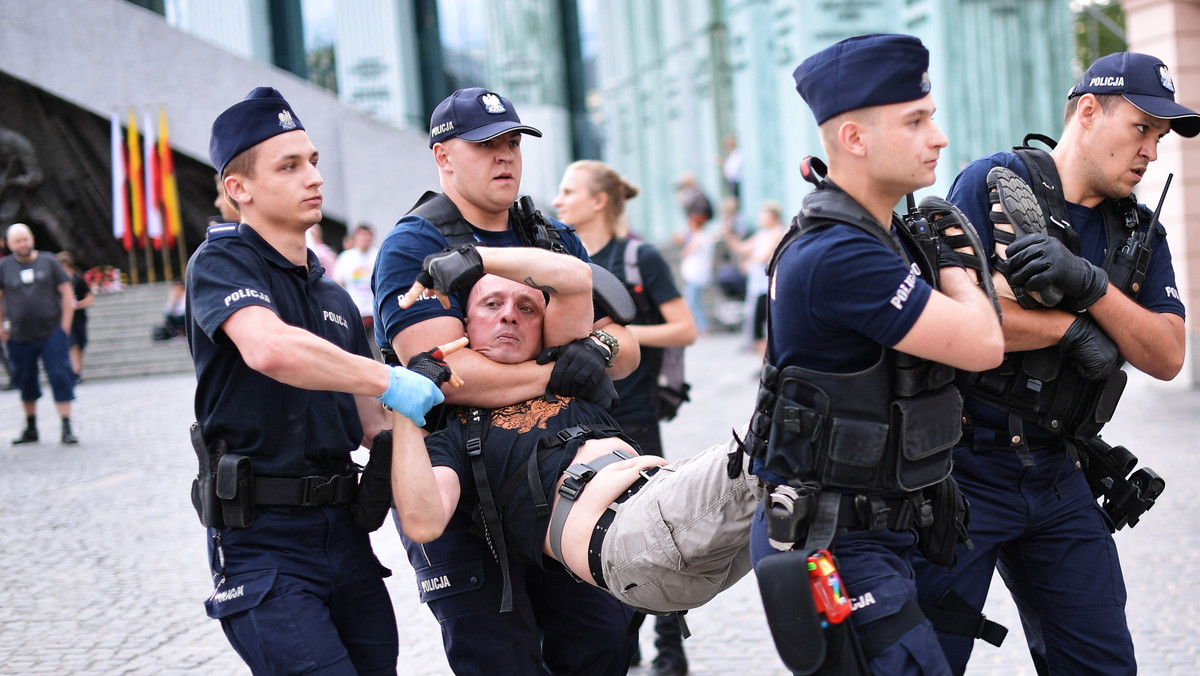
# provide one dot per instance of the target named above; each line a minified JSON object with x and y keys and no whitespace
{"x":929,"y":401}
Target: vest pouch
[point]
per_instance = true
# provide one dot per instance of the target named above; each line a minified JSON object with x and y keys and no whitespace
{"x":759,"y":431}
{"x":801,"y":408}
{"x":1034,"y":385}
{"x":927,"y":426}
{"x":1092,"y":404}
{"x":855,"y":450}
{"x":912,"y":375}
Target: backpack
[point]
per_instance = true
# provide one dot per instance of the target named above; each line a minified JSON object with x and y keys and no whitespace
{"x":670,"y":389}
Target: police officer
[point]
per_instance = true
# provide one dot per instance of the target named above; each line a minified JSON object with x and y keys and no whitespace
{"x":286,"y":389}
{"x":835,"y":428}
{"x":555,"y":625}
{"x":1032,"y":512}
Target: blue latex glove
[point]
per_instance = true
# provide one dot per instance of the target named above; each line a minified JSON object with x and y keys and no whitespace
{"x":411,"y":394}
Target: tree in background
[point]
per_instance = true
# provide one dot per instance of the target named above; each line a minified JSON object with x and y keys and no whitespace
{"x":1099,"y":30}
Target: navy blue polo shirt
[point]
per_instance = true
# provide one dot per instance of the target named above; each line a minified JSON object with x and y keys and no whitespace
{"x":286,"y":431}
{"x":1158,"y":294}
{"x":838,"y":295}
{"x":399,"y":261}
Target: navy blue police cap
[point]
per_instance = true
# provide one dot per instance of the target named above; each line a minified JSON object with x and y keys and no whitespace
{"x":474,"y":115}
{"x":262,"y":114}
{"x":863,"y":71}
{"x":1145,"y":82}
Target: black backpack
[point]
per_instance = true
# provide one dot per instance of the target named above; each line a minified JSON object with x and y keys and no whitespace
{"x":670,"y":389}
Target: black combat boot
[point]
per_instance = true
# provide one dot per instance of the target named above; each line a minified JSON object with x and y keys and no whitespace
{"x":30,"y":435}
{"x":67,"y":437}
{"x":669,"y":641}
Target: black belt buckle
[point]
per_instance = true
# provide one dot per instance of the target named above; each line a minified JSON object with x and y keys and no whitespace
{"x":577,"y":477}
{"x":572,"y":432}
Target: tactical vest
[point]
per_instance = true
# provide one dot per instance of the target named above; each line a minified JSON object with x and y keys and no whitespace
{"x":887,"y":429}
{"x":530,"y":226}
{"x":1039,"y":386}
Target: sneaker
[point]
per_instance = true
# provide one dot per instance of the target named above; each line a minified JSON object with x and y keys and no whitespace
{"x":669,"y":663}
{"x":29,"y":436}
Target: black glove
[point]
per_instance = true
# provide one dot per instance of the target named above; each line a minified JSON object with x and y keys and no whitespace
{"x":579,"y":371}
{"x":947,"y":257}
{"x":1038,"y":261}
{"x":374,"y":497}
{"x":1089,"y":350}
{"x":431,"y":365}
{"x":451,"y":270}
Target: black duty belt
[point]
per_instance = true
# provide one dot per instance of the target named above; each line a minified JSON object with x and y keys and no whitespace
{"x":605,"y":522}
{"x":309,"y":491}
{"x":862,"y":512}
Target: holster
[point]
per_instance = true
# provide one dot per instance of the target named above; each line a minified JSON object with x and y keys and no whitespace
{"x":374,"y":497}
{"x":1107,"y":470}
{"x":204,"y":486}
{"x":235,"y":488}
{"x":807,"y":644}
{"x":939,"y":540}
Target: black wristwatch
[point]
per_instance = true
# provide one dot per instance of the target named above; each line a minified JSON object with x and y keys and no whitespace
{"x":609,"y":341}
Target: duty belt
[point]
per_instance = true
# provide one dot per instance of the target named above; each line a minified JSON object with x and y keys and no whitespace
{"x":309,"y":491}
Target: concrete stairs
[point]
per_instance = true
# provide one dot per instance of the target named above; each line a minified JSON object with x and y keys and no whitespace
{"x":119,"y":329}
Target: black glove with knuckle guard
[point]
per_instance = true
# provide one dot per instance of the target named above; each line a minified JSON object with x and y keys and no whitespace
{"x":1038,"y":261}
{"x":580,"y":371}
{"x":451,"y":270}
{"x":1089,"y":349}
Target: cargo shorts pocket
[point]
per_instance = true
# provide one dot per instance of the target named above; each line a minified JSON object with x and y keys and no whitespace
{"x":447,"y":579}
{"x":239,"y":593}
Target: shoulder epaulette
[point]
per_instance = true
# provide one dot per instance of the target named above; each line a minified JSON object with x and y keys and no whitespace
{"x":221,"y":230}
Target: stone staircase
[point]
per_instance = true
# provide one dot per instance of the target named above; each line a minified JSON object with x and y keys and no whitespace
{"x":119,"y":330}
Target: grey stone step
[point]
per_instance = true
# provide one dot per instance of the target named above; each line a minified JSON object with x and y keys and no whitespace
{"x":120,"y":326}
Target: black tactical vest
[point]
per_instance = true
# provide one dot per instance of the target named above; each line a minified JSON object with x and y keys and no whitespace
{"x":890,"y":428}
{"x":1038,"y":385}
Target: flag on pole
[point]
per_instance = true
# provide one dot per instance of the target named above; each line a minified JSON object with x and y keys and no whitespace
{"x":172,"y":220}
{"x":137,"y":199}
{"x":154,"y":222}
{"x":120,"y":214}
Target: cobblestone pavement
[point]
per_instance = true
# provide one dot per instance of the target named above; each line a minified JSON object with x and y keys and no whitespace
{"x":105,"y":561}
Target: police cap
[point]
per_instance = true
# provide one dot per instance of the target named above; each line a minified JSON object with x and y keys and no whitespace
{"x":863,"y":71}
{"x":1145,"y":82}
{"x":262,"y":114}
{"x":474,"y":115}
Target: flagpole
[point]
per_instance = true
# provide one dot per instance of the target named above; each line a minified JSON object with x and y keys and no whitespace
{"x":182,"y":255}
{"x":151,"y":275}
{"x":168,"y":274}
{"x":133,"y":271}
